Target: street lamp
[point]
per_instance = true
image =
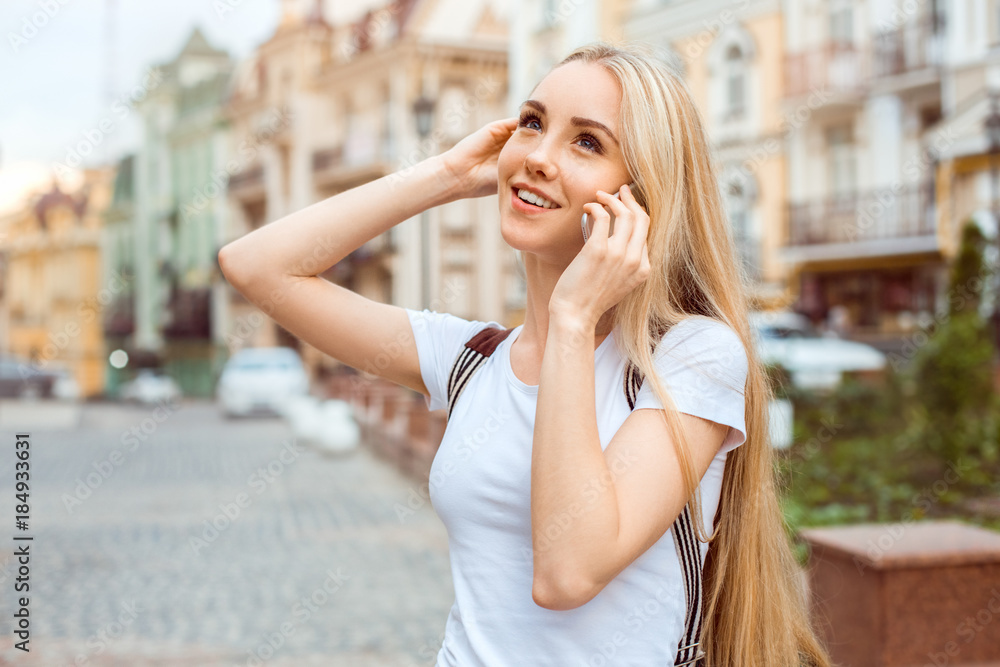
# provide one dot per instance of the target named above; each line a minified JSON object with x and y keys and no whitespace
{"x":423,"y":111}
{"x":992,"y":126}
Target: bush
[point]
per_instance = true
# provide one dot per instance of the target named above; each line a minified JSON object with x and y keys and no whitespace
{"x":891,"y":454}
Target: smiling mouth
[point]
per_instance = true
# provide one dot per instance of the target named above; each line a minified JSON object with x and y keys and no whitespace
{"x":515,"y":192}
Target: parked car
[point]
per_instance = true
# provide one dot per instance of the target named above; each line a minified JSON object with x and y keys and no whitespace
{"x":150,"y":386}
{"x":21,"y":378}
{"x":260,"y":380}
{"x":65,"y":386}
{"x":814,"y":360}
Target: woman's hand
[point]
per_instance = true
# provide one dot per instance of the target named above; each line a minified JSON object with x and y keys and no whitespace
{"x":472,"y":162}
{"x":607,"y":268}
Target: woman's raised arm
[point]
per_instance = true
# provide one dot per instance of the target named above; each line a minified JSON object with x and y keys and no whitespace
{"x":311,"y":240}
{"x":276,"y":267}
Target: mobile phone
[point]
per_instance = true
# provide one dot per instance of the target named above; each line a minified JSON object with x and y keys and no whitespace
{"x":587,"y":222}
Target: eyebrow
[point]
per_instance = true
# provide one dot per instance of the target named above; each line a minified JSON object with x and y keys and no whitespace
{"x":576,"y":120}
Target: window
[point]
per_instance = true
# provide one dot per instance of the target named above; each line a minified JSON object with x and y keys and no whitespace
{"x":842,"y":24}
{"x":732,"y":79}
{"x":740,"y":192}
{"x":735,"y":81}
{"x":840,"y":153}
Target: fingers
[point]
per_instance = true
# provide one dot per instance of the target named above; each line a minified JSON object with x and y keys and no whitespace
{"x":637,"y":242}
{"x":602,"y":221}
{"x":624,"y":217}
{"x":631,"y":225}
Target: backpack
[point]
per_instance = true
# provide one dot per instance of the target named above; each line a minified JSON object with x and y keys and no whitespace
{"x":471,"y":358}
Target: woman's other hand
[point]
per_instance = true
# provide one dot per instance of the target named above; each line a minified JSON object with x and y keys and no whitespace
{"x":472,"y":162}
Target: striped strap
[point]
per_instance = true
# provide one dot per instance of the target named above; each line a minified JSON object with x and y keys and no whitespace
{"x":688,"y":553}
{"x":473,"y":355}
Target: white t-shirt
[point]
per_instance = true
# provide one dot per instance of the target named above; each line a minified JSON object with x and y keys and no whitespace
{"x":480,"y":488}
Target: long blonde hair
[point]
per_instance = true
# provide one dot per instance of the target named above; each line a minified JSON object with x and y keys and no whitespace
{"x":755,"y":613}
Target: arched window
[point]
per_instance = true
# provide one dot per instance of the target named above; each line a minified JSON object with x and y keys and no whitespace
{"x":732,"y":77}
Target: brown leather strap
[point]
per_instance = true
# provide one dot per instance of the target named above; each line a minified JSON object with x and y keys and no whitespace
{"x":487,"y":340}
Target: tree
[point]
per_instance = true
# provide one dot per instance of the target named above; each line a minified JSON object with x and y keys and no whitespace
{"x":953,"y":371}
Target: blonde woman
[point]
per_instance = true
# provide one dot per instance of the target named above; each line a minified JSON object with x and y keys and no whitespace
{"x":560,"y":500}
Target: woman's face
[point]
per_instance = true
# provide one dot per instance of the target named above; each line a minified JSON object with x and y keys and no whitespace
{"x":565,"y":149}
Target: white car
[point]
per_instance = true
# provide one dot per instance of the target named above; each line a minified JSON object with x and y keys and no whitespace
{"x":261,"y":380}
{"x":814,"y":361}
{"x":150,"y":386}
{"x":65,"y":387}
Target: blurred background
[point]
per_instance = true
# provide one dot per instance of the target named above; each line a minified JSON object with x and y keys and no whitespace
{"x":858,"y":149}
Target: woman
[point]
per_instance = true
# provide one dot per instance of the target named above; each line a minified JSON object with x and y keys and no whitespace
{"x":557,"y":495}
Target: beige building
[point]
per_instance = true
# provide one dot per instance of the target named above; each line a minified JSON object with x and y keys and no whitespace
{"x":865,"y":250}
{"x":731,"y":55}
{"x":331,"y":101}
{"x":53,"y":283}
{"x":851,"y":140}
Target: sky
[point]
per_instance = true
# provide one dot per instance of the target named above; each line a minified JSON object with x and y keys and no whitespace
{"x":61,"y":72}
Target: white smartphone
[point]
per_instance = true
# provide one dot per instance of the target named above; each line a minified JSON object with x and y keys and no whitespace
{"x":587,"y":223}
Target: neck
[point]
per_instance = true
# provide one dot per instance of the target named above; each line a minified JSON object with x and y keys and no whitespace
{"x":542,"y":277}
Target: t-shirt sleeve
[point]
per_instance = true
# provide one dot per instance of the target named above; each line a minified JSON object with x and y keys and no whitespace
{"x":440,"y":337}
{"x":703,"y":366}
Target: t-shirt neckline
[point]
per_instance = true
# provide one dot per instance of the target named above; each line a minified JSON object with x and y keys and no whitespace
{"x":533,"y":388}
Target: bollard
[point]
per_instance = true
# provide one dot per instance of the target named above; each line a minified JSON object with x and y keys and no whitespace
{"x":905,"y":595}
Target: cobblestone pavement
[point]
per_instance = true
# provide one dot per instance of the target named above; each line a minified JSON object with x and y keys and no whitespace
{"x":212,"y":542}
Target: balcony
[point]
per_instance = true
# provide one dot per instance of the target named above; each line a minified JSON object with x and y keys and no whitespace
{"x":838,"y":69}
{"x":890,"y":221}
{"x":348,"y":165}
{"x":916,"y":46}
{"x":119,"y":317}
{"x":248,"y":184}
{"x":189,"y":313}
{"x":328,"y":158}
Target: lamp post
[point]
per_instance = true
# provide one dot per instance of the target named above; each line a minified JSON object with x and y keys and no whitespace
{"x":992,"y":126}
{"x":423,"y":111}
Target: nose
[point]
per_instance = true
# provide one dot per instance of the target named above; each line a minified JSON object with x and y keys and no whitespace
{"x":541,"y":161}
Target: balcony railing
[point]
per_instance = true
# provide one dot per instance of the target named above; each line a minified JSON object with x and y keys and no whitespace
{"x":247,"y":180}
{"x":119,"y":317}
{"x":917,"y":45}
{"x":833,"y":68}
{"x":327,"y":158}
{"x":189,"y":313}
{"x":864,"y":216}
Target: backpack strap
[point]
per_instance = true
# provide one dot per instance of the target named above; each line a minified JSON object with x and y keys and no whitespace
{"x":688,"y":553}
{"x":470,"y":359}
{"x":474,"y":355}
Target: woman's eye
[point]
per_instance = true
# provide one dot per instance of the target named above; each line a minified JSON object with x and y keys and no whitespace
{"x":589,"y":142}
{"x":526,"y":121}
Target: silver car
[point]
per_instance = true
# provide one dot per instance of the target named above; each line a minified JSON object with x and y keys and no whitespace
{"x":260,"y":380}
{"x":814,"y":360}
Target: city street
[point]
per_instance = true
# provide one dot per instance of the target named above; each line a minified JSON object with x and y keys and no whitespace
{"x":171,"y":536}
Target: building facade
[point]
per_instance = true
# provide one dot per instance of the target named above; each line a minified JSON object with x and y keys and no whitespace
{"x":331,"y":102}
{"x":53,"y":281}
{"x":865,"y":251}
{"x":851,"y":140}
{"x":179,"y":214}
{"x":731,"y":55}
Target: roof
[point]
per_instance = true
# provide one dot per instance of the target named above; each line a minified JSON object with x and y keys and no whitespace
{"x":56,"y":197}
{"x":198,"y":45}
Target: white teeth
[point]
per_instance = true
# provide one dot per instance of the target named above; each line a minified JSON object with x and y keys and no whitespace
{"x":534,"y":199}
